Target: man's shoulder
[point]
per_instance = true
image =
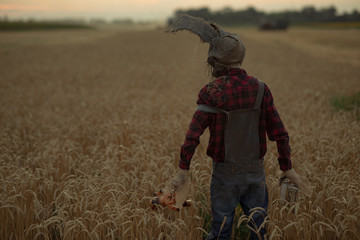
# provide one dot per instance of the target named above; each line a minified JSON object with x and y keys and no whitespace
{"x":211,"y":93}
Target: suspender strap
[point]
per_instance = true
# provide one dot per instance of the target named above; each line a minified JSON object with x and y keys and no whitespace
{"x":260,"y":95}
{"x":210,"y":109}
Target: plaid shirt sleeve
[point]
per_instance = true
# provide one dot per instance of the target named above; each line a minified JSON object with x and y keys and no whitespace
{"x":198,"y":124}
{"x":276,"y":131}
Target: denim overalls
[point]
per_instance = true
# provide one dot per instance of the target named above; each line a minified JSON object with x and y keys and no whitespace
{"x":241,"y":177}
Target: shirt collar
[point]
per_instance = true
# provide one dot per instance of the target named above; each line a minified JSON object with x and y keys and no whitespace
{"x":236,"y":71}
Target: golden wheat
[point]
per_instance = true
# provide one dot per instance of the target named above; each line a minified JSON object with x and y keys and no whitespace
{"x":91,"y":123}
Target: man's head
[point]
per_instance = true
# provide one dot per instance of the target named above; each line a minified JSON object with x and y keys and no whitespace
{"x":225,"y":52}
{"x":226,"y":49}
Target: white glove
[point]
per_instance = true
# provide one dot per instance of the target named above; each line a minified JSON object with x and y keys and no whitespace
{"x":301,"y":182}
{"x":180,"y":184}
{"x":292,"y":176}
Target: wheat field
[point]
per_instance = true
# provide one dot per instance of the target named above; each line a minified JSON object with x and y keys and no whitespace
{"x":91,"y":124}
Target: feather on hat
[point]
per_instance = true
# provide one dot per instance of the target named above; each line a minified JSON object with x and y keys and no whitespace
{"x":225,"y":48}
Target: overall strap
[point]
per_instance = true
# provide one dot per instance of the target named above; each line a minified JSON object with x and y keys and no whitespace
{"x":260,"y":95}
{"x":210,"y":109}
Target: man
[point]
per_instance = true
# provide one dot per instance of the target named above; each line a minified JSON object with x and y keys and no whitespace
{"x":239,"y":111}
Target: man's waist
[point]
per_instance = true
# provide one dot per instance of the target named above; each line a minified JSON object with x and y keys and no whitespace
{"x":243,"y":165}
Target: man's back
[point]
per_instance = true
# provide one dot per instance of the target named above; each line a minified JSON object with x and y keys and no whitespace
{"x":235,"y":90}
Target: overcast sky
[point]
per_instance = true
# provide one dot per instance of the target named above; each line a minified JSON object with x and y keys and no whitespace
{"x":148,"y":9}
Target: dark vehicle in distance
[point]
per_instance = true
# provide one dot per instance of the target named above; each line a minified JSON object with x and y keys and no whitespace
{"x":274,"y":25}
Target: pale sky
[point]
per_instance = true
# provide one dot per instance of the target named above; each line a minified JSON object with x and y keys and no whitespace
{"x":148,"y":9}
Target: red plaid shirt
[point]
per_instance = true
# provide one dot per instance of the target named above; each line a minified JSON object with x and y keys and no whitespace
{"x":236,"y":90}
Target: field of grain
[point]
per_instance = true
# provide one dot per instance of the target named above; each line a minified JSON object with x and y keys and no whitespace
{"x":91,"y":124}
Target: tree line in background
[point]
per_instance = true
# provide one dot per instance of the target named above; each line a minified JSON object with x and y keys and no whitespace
{"x":325,"y":17}
{"x":250,"y":16}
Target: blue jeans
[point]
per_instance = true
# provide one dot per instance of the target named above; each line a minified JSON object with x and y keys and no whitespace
{"x":227,"y":191}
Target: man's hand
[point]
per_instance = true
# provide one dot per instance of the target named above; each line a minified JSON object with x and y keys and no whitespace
{"x":292,"y":176}
{"x":301,"y":182}
{"x":180,"y":185}
{"x":174,"y":197}
{"x":180,"y":180}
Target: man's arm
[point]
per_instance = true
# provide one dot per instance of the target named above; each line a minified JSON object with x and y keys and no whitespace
{"x":180,"y":182}
{"x":276,"y":131}
{"x":199,"y":123}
